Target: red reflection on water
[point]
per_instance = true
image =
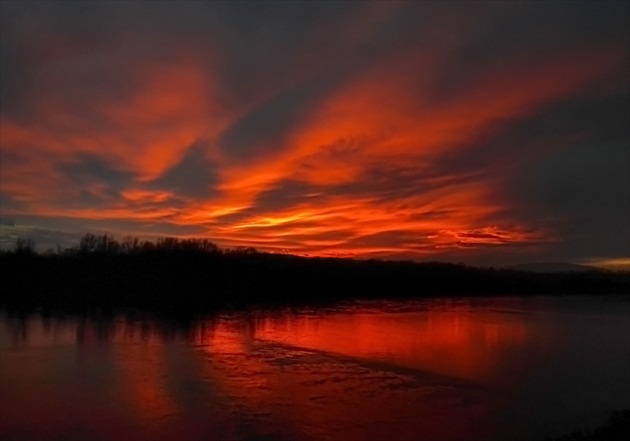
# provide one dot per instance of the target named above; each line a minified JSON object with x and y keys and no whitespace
{"x":470,"y":345}
{"x":99,"y":380}
{"x":370,"y":376}
{"x":420,"y":375}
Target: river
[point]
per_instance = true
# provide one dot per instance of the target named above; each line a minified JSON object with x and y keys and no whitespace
{"x":518,"y":368}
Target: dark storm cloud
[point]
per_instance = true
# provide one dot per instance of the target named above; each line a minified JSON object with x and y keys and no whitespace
{"x":583,"y":187}
{"x":266,"y":128}
{"x":14,"y":159}
{"x":598,"y":116}
{"x":193,"y":176}
{"x":89,"y":52}
{"x":591,"y":121}
{"x":276,"y":58}
{"x":261,"y":46}
{"x":8,"y":202}
{"x":94,"y":181}
{"x":386,"y":238}
{"x":585,"y":191}
{"x":11,"y":77}
{"x":88,"y":169}
{"x":531,"y":30}
{"x":387,"y":183}
{"x":380,"y":183}
{"x":286,"y":194}
{"x":268,"y":54}
{"x":26,"y":30}
{"x":262,"y":41}
{"x":273,"y":34}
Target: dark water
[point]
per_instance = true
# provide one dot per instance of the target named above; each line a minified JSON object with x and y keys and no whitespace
{"x":506,"y":368}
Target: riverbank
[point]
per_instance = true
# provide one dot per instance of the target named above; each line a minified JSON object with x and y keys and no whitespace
{"x":189,"y":282}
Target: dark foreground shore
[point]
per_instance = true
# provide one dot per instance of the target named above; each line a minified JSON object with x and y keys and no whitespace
{"x":616,"y":429}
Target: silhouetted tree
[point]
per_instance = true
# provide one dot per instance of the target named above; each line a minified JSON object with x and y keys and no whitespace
{"x":167,"y":244}
{"x":242,"y":251}
{"x":24,"y":246}
{"x":209,"y":247}
{"x":88,"y":243}
{"x":107,"y":245}
{"x":147,"y":246}
{"x":130,"y":244}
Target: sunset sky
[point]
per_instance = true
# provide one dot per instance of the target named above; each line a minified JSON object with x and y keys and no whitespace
{"x":485,"y":133}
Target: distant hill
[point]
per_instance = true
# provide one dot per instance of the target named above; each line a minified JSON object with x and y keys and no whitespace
{"x":553,"y":267}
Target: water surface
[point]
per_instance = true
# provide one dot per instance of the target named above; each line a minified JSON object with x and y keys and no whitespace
{"x":458,"y":369}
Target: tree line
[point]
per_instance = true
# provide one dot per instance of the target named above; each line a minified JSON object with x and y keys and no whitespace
{"x":195,"y":276}
{"x":106,"y":244}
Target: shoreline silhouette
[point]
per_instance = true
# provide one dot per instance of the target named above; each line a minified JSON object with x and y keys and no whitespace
{"x":194,"y":276}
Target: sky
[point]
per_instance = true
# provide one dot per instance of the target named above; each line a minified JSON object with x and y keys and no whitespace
{"x":487,"y":133}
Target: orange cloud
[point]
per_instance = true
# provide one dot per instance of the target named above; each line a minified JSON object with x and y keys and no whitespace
{"x":371,"y":151}
{"x":371,"y":122}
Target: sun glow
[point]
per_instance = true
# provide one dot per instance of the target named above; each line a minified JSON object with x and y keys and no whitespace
{"x":613,"y":264}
